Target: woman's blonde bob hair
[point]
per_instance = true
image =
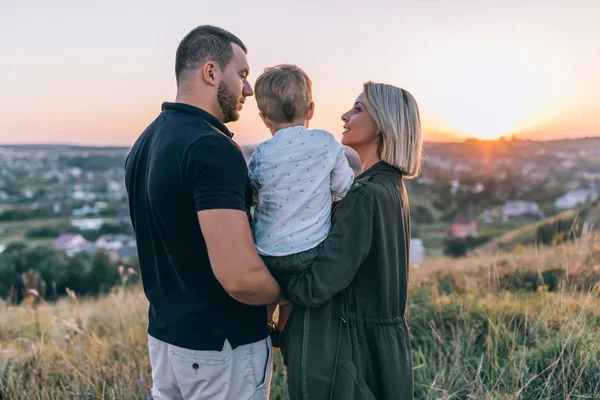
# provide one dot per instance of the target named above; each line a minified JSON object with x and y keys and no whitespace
{"x":396,"y":113}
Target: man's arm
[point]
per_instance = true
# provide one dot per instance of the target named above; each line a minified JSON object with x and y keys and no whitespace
{"x":234,"y":259}
{"x":216,"y":171}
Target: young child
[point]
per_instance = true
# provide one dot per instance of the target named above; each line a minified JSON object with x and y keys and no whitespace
{"x":295,"y":175}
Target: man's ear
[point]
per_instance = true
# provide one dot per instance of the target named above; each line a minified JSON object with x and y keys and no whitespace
{"x":265,"y":120}
{"x":210,"y":73}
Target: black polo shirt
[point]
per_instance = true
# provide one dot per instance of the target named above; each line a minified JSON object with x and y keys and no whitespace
{"x":184,"y":162}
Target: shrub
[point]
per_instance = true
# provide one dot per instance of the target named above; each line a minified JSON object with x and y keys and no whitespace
{"x":528,"y":280}
{"x":521,"y":280}
{"x":47,"y":232}
{"x":455,"y":247}
{"x":422,"y":215}
{"x":17,"y":214}
{"x":106,"y":229}
{"x":552,"y":278}
{"x":557,"y":231}
{"x":448,"y":284}
{"x":83,"y":273}
{"x":458,"y":247}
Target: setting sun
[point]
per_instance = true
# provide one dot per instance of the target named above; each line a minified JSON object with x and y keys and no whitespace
{"x":486,"y":89}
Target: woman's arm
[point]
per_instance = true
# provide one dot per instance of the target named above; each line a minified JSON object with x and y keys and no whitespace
{"x":344,"y":250}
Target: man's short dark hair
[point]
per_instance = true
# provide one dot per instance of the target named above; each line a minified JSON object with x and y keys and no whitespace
{"x":202,"y":44}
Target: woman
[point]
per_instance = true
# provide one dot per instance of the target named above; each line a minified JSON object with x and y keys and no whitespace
{"x":347,"y":337}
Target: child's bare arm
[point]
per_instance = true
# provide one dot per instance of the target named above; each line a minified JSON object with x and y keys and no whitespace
{"x":284,"y":314}
{"x":271,"y":311}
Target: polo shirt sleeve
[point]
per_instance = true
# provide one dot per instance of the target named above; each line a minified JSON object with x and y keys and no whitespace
{"x":217,"y":173}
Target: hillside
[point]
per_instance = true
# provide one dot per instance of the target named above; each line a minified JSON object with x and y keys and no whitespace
{"x":518,"y":325}
{"x":527,"y":234}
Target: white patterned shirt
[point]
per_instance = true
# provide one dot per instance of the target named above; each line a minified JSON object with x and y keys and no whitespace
{"x":296,"y":175}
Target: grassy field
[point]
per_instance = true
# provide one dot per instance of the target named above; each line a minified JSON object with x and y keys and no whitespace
{"x":433,"y":234}
{"x":527,"y":234}
{"x":520,"y":325}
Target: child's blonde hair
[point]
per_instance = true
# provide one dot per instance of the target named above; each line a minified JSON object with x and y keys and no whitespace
{"x":283,"y":93}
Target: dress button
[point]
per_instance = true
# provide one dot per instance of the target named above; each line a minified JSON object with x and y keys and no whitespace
{"x":195,"y":366}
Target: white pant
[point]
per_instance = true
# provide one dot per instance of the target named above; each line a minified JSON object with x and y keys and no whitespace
{"x":231,"y":374}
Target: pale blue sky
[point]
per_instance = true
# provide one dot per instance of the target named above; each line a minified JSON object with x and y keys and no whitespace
{"x":96,"y":73}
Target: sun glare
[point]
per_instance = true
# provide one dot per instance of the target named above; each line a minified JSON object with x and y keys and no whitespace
{"x":483,"y":89}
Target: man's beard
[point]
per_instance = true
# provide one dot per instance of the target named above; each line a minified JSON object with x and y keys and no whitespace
{"x":228,"y":102}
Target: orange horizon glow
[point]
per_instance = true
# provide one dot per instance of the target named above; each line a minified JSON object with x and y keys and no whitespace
{"x":476,"y":70}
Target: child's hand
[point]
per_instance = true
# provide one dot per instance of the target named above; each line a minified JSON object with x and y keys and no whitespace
{"x":270,"y":311}
{"x":283,"y":301}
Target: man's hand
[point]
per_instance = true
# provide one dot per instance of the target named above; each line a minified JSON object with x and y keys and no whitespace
{"x":233,"y":257}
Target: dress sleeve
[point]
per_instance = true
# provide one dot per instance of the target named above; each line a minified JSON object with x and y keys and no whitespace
{"x":344,"y":250}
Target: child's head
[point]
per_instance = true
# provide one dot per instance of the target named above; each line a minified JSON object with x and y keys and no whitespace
{"x":284,"y":96}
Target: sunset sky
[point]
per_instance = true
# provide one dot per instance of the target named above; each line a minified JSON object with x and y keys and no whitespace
{"x":86,"y":72}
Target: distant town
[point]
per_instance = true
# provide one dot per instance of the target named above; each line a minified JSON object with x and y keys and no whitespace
{"x":74,"y":200}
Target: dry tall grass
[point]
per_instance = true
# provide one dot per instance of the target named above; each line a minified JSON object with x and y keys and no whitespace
{"x":520,"y":325}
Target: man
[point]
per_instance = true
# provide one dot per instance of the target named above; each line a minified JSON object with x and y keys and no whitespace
{"x":189,"y":197}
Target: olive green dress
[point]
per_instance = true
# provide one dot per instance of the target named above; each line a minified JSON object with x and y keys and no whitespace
{"x":347,"y":336}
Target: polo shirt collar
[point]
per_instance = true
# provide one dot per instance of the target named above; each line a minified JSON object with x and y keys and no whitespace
{"x":189,"y":109}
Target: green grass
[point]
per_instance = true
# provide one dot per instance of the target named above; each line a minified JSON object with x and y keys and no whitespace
{"x":479,"y":330}
{"x":433,"y":235}
{"x":527,"y":234}
{"x":499,"y":228}
{"x":11,"y":231}
{"x":10,"y":238}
